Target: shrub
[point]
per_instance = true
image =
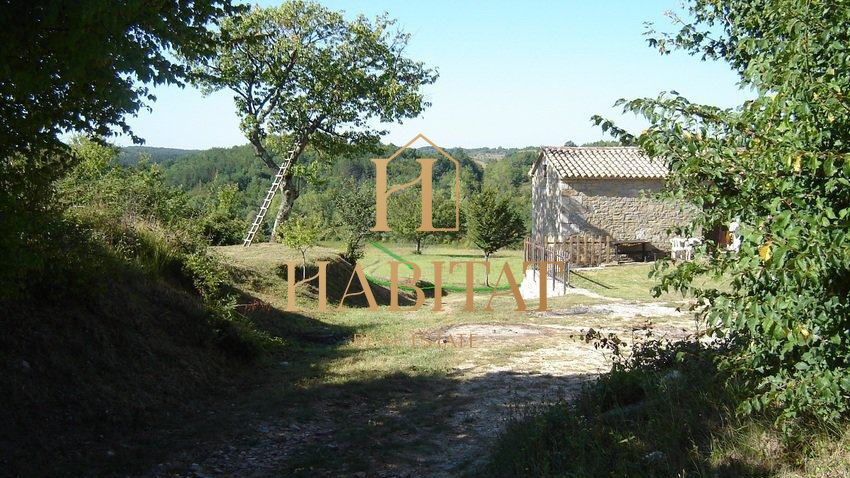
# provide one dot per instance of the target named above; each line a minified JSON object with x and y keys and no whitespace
{"x":780,"y":167}
{"x":648,"y":417}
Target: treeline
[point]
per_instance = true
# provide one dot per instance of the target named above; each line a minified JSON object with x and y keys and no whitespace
{"x":236,"y":173}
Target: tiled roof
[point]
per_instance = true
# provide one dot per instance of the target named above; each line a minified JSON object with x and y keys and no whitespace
{"x":614,"y":162}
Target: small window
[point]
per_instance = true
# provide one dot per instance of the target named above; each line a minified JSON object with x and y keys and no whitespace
{"x":544,"y":171}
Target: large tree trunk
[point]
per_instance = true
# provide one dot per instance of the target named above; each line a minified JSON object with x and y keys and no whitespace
{"x":287,"y":187}
{"x":288,"y":193}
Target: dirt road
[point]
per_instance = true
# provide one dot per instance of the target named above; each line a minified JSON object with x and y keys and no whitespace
{"x":443,"y":428}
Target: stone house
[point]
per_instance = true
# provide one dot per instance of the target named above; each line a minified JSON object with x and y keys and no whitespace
{"x":601,"y":192}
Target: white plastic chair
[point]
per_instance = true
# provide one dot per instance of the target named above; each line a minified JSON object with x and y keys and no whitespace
{"x":690,"y":244}
{"x":679,"y":248}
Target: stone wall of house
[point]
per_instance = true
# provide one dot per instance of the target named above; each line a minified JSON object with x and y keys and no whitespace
{"x":620,"y":208}
{"x":546,"y":220}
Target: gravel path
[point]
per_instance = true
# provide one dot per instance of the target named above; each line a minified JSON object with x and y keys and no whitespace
{"x":516,"y":368}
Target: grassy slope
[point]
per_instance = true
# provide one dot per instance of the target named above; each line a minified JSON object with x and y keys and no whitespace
{"x":92,"y":368}
{"x":655,"y":423}
{"x":145,"y":351}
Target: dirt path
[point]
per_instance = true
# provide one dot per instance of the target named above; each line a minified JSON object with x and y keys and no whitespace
{"x":544,"y":364}
{"x":515,"y":368}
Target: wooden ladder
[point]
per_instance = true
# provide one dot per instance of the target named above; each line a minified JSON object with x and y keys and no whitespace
{"x":261,"y":215}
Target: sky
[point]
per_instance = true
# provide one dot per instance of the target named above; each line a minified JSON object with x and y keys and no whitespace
{"x":512,"y":74}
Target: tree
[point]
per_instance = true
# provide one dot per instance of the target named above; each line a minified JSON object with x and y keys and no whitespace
{"x":354,"y":206}
{"x":302,"y":233}
{"x":406,"y":217}
{"x":602,"y":143}
{"x":221,"y":224}
{"x":446,"y":217}
{"x":78,"y":66}
{"x":85,"y":65}
{"x":780,"y":166}
{"x":303,"y":74}
{"x":493,"y":223}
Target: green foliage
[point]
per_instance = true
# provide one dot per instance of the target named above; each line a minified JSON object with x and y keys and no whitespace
{"x":494,"y":223}
{"x":405,"y":217}
{"x":303,"y":74}
{"x":94,"y":61}
{"x":345,"y":72}
{"x":779,"y":166}
{"x":131,"y":155}
{"x":221,"y":225}
{"x":302,"y":233}
{"x":659,"y":413}
{"x":354,"y":217}
{"x":603,"y":143}
{"x":30,"y":221}
{"x":107,"y":218}
{"x":203,"y":173}
{"x":511,"y":174}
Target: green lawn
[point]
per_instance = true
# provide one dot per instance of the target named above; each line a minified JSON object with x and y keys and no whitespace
{"x":259,"y":266}
{"x":631,"y":282}
{"x":263,"y":281}
{"x":376,"y":263}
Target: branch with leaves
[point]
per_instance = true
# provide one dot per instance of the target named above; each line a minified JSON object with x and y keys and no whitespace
{"x":304,"y":75}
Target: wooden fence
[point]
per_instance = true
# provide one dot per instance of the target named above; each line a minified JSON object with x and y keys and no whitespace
{"x":577,"y":251}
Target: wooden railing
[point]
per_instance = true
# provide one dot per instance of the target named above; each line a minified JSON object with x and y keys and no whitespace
{"x":542,"y":252}
{"x":577,"y":251}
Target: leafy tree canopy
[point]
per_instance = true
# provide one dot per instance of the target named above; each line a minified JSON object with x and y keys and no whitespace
{"x":302,"y":73}
{"x":494,"y":222}
{"x":85,"y":65}
{"x":780,"y":167}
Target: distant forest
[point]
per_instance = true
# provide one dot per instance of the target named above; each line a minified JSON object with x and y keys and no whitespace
{"x":204,"y":174}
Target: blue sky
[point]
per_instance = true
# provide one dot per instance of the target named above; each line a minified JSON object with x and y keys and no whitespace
{"x":521,"y":73}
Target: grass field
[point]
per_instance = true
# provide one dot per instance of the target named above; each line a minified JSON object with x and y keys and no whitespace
{"x":328,"y":406}
{"x":376,"y":263}
{"x":326,"y":372}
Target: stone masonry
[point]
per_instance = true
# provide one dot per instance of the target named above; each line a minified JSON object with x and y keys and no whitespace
{"x":594,"y":192}
{"x":620,"y":208}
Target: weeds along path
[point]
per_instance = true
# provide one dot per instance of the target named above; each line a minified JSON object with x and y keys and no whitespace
{"x":544,"y":359}
{"x":332,"y":409}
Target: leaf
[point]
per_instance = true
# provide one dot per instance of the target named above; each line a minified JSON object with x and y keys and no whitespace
{"x":765,"y":251}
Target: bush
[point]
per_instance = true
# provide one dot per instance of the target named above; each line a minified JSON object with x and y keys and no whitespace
{"x":656,"y":414}
{"x":779,"y":167}
{"x":101,"y":220}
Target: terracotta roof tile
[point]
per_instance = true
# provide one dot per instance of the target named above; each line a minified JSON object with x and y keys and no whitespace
{"x":613,"y":162}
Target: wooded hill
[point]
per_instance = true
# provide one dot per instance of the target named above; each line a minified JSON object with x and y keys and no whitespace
{"x":204,"y":174}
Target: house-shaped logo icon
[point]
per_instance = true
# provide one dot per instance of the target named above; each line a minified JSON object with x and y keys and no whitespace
{"x":382,"y":192}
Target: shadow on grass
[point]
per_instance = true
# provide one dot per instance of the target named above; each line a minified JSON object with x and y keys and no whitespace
{"x":293,"y":416}
{"x":340,"y":283}
{"x":301,"y":421}
{"x":400,"y":424}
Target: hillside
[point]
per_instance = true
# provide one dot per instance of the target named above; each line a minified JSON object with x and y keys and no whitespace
{"x":483,"y":155}
{"x":130,"y":155}
{"x":203,"y":174}
{"x":99,"y":367}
